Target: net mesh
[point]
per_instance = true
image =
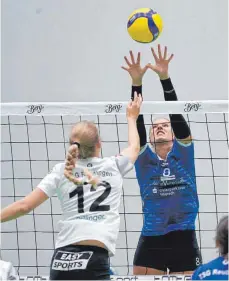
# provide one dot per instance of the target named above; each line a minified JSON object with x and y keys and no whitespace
{"x":32,"y":145}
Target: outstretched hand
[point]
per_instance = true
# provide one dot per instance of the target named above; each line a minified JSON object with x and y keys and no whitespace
{"x":134,"y":69}
{"x":133,"y":108}
{"x":161,"y":66}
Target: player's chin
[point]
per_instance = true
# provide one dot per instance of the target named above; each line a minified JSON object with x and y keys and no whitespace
{"x":160,"y":140}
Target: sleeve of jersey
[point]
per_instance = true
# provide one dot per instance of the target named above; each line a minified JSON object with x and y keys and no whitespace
{"x":124,"y":164}
{"x":51,"y":181}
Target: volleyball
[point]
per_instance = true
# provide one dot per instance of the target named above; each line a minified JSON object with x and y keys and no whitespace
{"x":144,"y":25}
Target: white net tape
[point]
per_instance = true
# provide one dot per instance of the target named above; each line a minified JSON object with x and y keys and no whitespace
{"x":104,"y":108}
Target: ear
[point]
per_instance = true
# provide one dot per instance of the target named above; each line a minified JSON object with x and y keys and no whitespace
{"x":99,"y":144}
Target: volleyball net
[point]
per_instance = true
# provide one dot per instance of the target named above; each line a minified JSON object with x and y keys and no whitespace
{"x":35,"y":138}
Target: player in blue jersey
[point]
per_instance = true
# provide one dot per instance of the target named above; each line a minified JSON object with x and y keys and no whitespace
{"x":218,"y":268}
{"x":166,"y":175}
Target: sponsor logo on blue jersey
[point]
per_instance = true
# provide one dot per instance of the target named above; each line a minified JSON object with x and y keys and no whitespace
{"x":214,"y":270}
{"x":168,"y":190}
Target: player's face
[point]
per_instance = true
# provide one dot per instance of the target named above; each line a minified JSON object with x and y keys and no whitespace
{"x":161,"y":131}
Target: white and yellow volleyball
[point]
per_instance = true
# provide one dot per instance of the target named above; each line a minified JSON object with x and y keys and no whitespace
{"x":144,"y":25}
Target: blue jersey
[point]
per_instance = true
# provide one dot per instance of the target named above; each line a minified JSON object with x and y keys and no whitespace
{"x":214,"y":270}
{"x":168,"y":189}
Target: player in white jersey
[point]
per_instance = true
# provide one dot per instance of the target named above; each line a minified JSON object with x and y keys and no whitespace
{"x":7,"y":271}
{"x":89,"y":191}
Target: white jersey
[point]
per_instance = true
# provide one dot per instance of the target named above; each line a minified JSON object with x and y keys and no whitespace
{"x":88,"y":213}
{"x":7,"y":271}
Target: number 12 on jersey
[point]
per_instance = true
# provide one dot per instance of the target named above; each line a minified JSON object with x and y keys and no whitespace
{"x":95,"y":207}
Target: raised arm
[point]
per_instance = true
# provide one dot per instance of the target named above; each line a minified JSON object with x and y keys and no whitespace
{"x":179,"y":125}
{"x":136,"y":73}
{"x":132,"y":114}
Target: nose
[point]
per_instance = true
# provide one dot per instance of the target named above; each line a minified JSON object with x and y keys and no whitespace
{"x":159,"y":127}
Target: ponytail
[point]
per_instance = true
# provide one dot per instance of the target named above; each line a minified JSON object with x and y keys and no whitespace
{"x":71,"y":163}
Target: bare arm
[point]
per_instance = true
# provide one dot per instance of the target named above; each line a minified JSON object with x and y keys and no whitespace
{"x":133,"y":148}
{"x":24,"y":206}
{"x":140,"y":121}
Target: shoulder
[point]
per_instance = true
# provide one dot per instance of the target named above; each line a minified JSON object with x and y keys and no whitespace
{"x":146,"y":154}
{"x":183,"y":148}
{"x":215,"y":263}
{"x":195,"y":275}
{"x":210,"y":265}
{"x":183,"y":143}
{"x":145,"y":150}
{"x":109,"y":162}
{"x":57,"y":172}
{"x":119,"y":158}
{"x":201,"y":272}
{"x":205,"y":269}
{"x":123,"y":164}
{"x":58,"y":168}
